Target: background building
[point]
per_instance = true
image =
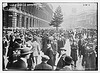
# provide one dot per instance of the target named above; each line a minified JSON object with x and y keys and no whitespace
{"x":27,"y":15}
{"x":86,"y":19}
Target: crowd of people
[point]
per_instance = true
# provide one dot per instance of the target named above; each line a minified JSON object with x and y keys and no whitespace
{"x":48,"y":49}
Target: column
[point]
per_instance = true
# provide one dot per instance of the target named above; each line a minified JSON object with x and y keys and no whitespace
{"x":28,"y":22}
{"x":20,"y":20}
{"x":17,"y":17}
{"x":38,"y":23}
{"x":14,"y":20}
{"x":31,"y":22}
{"x":24,"y":21}
{"x":34,"y":22}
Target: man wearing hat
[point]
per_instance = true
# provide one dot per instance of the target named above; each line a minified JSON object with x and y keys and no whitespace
{"x":36,"y":51}
{"x":18,"y":40}
{"x":5,"y":51}
{"x":68,"y":63}
{"x":21,"y":63}
{"x":59,"y":63}
{"x":74,"y":55}
{"x":43,"y":66}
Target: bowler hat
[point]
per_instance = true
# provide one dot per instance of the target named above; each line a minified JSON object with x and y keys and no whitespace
{"x":18,"y":40}
{"x":67,"y":60}
{"x":25,"y":51}
{"x":29,"y":37}
{"x":16,"y":45}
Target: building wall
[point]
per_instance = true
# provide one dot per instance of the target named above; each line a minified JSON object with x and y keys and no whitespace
{"x":26,"y":15}
{"x":88,"y":19}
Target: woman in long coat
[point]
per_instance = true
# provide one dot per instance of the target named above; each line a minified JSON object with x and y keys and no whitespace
{"x":74,"y":52}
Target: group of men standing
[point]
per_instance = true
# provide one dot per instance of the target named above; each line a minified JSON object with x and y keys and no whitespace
{"x":47,"y":52}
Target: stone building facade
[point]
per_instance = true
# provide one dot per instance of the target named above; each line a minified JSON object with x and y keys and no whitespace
{"x":27,"y":15}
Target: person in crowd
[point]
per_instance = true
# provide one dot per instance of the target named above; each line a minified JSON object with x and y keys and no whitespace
{"x":83,"y":53}
{"x":50,"y":54}
{"x":93,"y":57}
{"x":29,"y":44}
{"x":54,"y":44}
{"x":96,"y":52}
{"x":16,"y":51}
{"x":10,"y":50}
{"x":36,"y":50}
{"x":79,"y":46}
{"x":21,"y":63}
{"x":96,"y":48}
{"x":39,"y":39}
{"x":74,"y":52}
{"x":59,"y":63}
{"x":68,"y":64}
{"x":90,"y":57}
{"x":54,"y":49}
{"x":5,"y":51}
{"x":68,"y":47}
{"x":60,"y":43}
{"x":43,"y":66}
{"x":44,"y":42}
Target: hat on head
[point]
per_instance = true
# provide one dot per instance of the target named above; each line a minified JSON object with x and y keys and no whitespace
{"x":51,"y":38}
{"x":18,"y":40}
{"x":68,"y":60}
{"x":45,"y":58}
{"x":4,"y":37}
{"x":25,"y":51}
{"x":16,"y":45}
{"x":62,"y":48}
{"x":29,"y":37}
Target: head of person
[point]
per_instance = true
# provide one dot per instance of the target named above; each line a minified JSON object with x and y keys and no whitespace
{"x":34,"y":39}
{"x":4,"y":38}
{"x":30,"y":38}
{"x":63,"y":50}
{"x":75,"y":42}
{"x":18,"y":40}
{"x":68,"y":60}
{"x":25,"y":52}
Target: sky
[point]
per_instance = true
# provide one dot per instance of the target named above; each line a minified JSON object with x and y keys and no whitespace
{"x":73,"y":8}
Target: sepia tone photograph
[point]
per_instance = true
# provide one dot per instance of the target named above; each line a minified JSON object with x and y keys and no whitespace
{"x":49,"y":36}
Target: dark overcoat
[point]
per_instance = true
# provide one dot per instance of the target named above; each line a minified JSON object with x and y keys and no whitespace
{"x":43,"y":67}
{"x":50,"y":53}
{"x":19,"y":65}
{"x":74,"y":52}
